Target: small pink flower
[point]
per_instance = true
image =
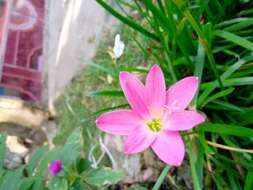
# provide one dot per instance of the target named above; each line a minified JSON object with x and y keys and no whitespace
{"x":156,"y":116}
{"x":55,"y":167}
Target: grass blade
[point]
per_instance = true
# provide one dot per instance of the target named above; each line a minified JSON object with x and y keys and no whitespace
{"x":249,"y":179}
{"x":226,"y":129}
{"x":161,"y":178}
{"x":234,"y":38}
{"x":112,"y":93}
{"x":127,"y":21}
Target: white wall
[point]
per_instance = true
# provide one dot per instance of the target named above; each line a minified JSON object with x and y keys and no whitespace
{"x":73,"y":28}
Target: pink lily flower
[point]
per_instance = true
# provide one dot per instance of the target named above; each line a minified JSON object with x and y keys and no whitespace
{"x":156,"y":115}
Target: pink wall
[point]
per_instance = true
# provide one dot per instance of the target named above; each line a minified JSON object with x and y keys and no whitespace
{"x":23,"y":61}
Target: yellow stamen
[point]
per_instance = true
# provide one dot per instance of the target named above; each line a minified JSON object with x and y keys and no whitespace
{"x":155,"y":125}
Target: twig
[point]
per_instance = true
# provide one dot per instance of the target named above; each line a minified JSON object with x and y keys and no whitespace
{"x":230,"y":148}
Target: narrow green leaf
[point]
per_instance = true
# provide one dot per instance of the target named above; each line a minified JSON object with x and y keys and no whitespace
{"x":36,"y":157}
{"x":27,"y":183}
{"x":137,"y":188}
{"x":200,"y":61}
{"x":200,"y":165}
{"x":226,"y":106}
{"x":239,"y":81}
{"x":108,"y":109}
{"x":100,"y":177}
{"x":12,"y":180}
{"x":68,"y":153}
{"x":161,"y":178}
{"x":249,"y":179}
{"x":217,"y":95}
{"x":158,"y":14}
{"x":127,"y":21}
{"x":111,"y":93}
{"x":202,"y":39}
{"x":245,"y":117}
{"x":2,"y":148}
{"x":226,"y":129}
{"x":224,"y":76}
{"x":139,"y":70}
{"x":102,"y":68}
{"x":241,"y":25}
{"x":235,"y":39}
{"x":57,"y":183}
{"x":192,"y":157}
{"x":230,"y":22}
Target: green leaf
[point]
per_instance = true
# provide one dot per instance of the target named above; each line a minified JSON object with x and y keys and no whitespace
{"x":226,"y":129}
{"x":27,"y":183}
{"x":103,"y":69}
{"x":239,"y":81}
{"x":230,"y":22}
{"x":137,"y":188}
{"x":158,"y":14}
{"x":111,"y":93}
{"x":108,"y":109}
{"x":161,"y":178}
{"x":38,"y":183}
{"x":200,"y":164}
{"x":75,"y":137}
{"x":235,"y":39}
{"x":224,"y":76}
{"x":195,"y":24}
{"x":36,"y":157}
{"x":222,"y":105}
{"x":217,"y":95}
{"x":2,"y":174}
{"x":12,"y":180}
{"x":68,"y":154}
{"x":2,"y":148}
{"x":240,"y":25}
{"x":199,"y":66}
{"x":127,"y":21}
{"x":245,"y":117}
{"x":83,"y":165}
{"x":105,"y":176}
{"x":249,"y":179}
{"x":192,"y":158}
{"x":139,"y":70}
{"x":57,"y":183}
{"x":80,"y":185}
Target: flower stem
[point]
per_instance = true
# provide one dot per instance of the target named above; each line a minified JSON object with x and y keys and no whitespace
{"x":161,"y":178}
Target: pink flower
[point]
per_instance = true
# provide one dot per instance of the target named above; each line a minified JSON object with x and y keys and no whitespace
{"x":55,"y":167}
{"x":156,"y":116}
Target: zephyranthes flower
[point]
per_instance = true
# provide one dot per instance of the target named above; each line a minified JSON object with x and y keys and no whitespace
{"x":156,"y":115}
{"x":118,"y":48}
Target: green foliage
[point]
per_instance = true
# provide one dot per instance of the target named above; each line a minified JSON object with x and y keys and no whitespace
{"x":214,"y":41}
{"x":77,"y":172}
{"x":2,"y":148}
{"x":161,"y":178}
{"x":137,"y":188}
{"x":12,"y":179}
{"x":102,"y":176}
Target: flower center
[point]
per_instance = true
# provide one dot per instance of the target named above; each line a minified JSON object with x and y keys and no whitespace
{"x":155,"y":125}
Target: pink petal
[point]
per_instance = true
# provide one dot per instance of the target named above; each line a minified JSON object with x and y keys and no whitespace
{"x":156,"y":89}
{"x":139,"y":140}
{"x":134,"y":91}
{"x":183,"y":120}
{"x":119,"y":122}
{"x":181,"y":93}
{"x":169,"y":147}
